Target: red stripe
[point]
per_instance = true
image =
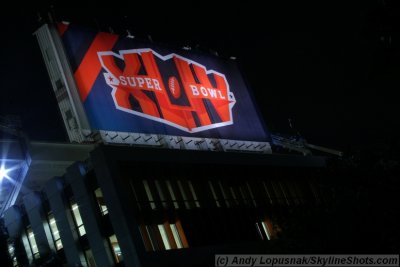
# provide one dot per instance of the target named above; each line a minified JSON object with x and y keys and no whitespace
{"x":62,"y":28}
{"x":90,"y":67}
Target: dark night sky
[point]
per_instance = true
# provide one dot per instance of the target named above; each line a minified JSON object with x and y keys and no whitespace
{"x":334,"y":68}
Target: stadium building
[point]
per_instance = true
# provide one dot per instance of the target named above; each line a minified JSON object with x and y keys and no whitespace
{"x":169,"y":162}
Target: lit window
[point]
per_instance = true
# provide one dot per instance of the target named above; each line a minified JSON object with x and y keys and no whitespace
{"x":11,"y":253}
{"x":259,"y":231}
{"x":146,"y":232}
{"x":214,"y":194}
{"x":54,"y":231}
{"x":78,"y":218}
{"x":184,"y":196}
{"x":115,"y":248}
{"x":197,"y":203}
{"x":163,"y":236}
{"x":264,"y":229}
{"x":177,"y":238}
{"x":152,"y":238}
{"x":161,"y":193}
{"x":32,"y":242}
{"x":171,"y":192}
{"x":100,"y":201}
{"x":11,"y":250}
{"x":149,"y":194}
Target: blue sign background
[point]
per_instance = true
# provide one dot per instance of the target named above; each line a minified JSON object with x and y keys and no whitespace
{"x":103,"y":115}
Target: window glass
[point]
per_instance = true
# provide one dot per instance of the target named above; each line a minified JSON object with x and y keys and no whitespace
{"x":171,"y":192}
{"x":78,"y":219}
{"x":175,"y":233}
{"x":115,"y":248}
{"x":149,"y":194}
{"x":164,"y":236}
{"x":54,"y":231}
{"x":196,"y":201}
{"x":100,"y":201}
{"x":32,"y":242}
{"x":214,"y":194}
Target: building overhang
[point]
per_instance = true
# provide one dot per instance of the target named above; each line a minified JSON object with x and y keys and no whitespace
{"x":33,"y":164}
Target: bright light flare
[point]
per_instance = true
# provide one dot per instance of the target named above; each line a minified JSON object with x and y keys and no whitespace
{"x":4,"y":172}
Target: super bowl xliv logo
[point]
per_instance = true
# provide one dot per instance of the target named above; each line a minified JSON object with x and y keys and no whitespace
{"x":169,"y":89}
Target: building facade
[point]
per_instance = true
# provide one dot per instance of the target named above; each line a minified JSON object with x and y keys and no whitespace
{"x":175,"y":165}
{"x":127,"y":206}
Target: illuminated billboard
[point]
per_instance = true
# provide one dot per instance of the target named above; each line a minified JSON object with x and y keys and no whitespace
{"x":130,"y":85}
